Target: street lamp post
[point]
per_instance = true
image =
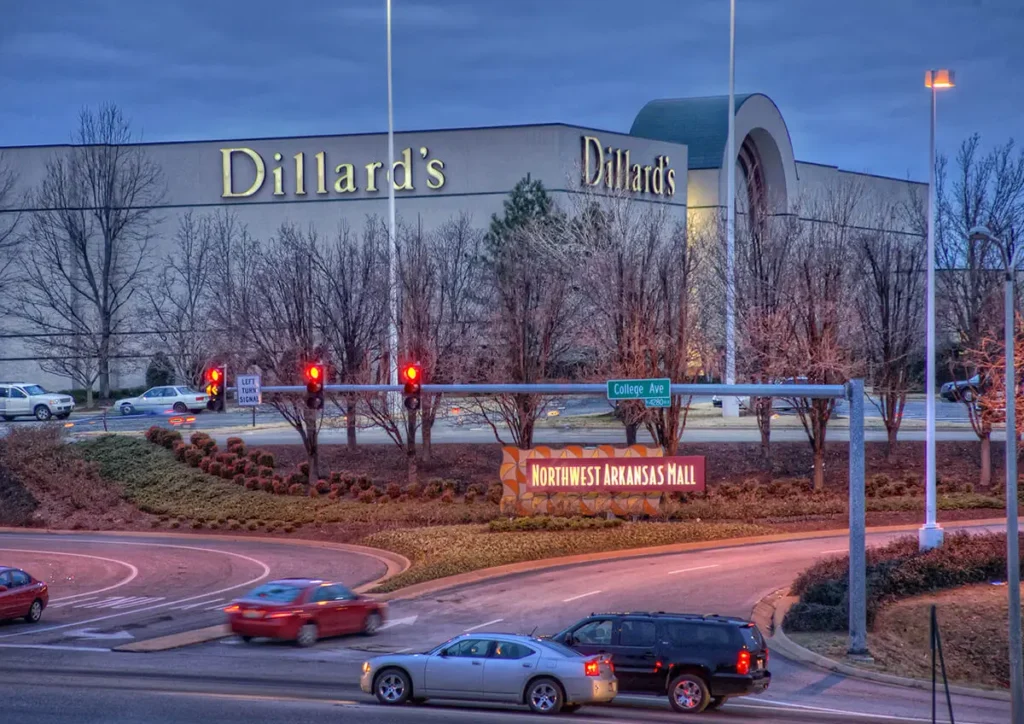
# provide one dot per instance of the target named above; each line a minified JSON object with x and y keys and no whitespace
{"x":1011,"y":260}
{"x":392,"y":244}
{"x":730,"y":404}
{"x":930,"y":534}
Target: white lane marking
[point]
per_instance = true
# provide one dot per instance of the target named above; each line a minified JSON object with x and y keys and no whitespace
{"x":215,"y":606}
{"x":695,"y":568}
{"x":102,"y":604}
{"x":131,"y":576}
{"x":482,"y":625}
{"x":402,"y":651}
{"x":142,"y":601}
{"x":207,"y":594}
{"x":582,"y":595}
{"x":188,"y":606}
{"x":768,"y":704}
{"x":836,"y":550}
{"x":56,"y":647}
{"x":71,"y":603}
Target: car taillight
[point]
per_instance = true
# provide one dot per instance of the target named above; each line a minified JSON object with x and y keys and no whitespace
{"x":592,"y":668}
{"x":232,"y":608}
{"x":765,"y":655}
{"x":199,"y":398}
{"x":743,"y":662}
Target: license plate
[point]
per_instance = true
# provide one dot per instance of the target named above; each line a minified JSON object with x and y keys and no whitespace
{"x":760,"y":664}
{"x":253,"y":614}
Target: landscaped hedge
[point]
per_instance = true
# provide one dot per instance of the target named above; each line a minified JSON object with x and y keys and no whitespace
{"x":897,"y":570}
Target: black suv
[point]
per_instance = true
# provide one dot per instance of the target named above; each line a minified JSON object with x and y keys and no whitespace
{"x":699,"y":661}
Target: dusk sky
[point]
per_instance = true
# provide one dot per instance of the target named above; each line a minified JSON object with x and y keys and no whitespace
{"x":847,"y":76}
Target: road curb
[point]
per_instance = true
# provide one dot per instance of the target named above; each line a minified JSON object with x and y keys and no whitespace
{"x":176,"y":641}
{"x":462,"y":580}
{"x":769,"y":613}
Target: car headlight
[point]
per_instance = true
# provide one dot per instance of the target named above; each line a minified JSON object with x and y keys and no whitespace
{"x":366,"y":667}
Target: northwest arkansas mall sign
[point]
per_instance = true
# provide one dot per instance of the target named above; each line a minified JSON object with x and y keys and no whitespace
{"x":623,"y":474}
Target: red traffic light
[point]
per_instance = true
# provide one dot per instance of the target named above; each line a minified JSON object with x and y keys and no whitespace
{"x":315,"y":373}
{"x":215,"y":375}
{"x":411,"y":373}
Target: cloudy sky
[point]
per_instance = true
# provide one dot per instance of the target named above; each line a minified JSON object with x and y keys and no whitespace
{"x":847,"y":76}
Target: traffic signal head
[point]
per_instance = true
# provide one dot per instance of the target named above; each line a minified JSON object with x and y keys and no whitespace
{"x":216,"y":383}
{"x":412,"y":377}
{"x":315,"y":374}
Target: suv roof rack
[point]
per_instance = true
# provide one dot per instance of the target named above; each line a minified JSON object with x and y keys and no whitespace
{"x":670,"y":614}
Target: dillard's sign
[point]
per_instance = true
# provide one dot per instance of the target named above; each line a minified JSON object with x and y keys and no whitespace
{"x":637,"y":475}
{"x":347,"y":178}
{"x":613,"y":167}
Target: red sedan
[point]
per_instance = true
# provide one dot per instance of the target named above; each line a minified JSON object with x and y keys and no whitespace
{"x":21,"y":595}
{"x":303,"y":610}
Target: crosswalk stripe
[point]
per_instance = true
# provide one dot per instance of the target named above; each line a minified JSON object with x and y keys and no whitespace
{"x":72,"y":603}
{"x":105,"y":602}
{"x":140,"y":601}
{"x":215,"y":607}
{"x":188,"y":606}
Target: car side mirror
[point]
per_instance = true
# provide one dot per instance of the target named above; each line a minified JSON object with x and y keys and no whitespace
{"x":443,"y":653}
{"x":569,"y":640}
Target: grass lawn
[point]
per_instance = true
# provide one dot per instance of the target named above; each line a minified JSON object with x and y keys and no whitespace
{"x":972,"y":622}
{"x":447,"y":551}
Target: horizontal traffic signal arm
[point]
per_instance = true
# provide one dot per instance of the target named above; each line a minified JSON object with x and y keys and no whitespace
{"x":785,"y":391}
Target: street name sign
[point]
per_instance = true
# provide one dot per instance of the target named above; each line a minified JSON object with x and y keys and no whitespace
{"x":654,"y":392}
{"x":249,"y":390}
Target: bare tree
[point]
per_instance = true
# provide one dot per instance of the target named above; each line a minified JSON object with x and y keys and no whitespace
{"x":90,"y":235}
{"x":531,"y":304}
{"x":278,"y":315}
{"x":9,"y":218}
{"x":890,"y":305}
{"x":178,"y":302}
{"x":353,"y":302}
{"x":985,"y":190}
{"x":820,"y":310}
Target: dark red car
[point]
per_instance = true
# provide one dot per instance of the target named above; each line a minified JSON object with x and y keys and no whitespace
{"x":21,"y":595}
{"x":303,"y":610}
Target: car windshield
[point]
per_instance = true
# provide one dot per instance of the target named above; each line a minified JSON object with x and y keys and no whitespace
{"x":35,"y":390}
{"x":276,"y":592}
{"x":186,"y":391}
{"x":560,"y":648}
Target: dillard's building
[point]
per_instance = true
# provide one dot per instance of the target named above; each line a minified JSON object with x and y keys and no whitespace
{"x":674,"y":154}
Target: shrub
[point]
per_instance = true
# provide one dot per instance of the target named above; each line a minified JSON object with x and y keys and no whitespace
{"x":229,"y":459}
{"x":322,"y":486}
{"x":267,"y":460}
{"x":367,"y":496}
{"x":447,"y":497}
{"x":280,"y":488}
{"x":403,"y":498}
{"x":544,"y":522}
{"x":333,"y":495}
{"x":238,"y":479}
{"x":365,"y":483}
{"x":433,"y":490}
{"x":414,"y":490}
{"x":495,"y":492}
{"x":252,"y":525}
{"x":197,"y":437}
{"x":336,"y":489}
{"x":897,"y":570}
{"x":241,"y":467}
{"x":296,"y":489}
{"x":297,"y":479}
{"x":234,"y":525}
{"x":252,"y":483}
{"x":313,"y":492}
{"x":471,"y":495}
{"x":175,"y":524}
{"x":267,"y":485}
{"x":214,"y":468}
{"x":277,"y":478}
{"x":204,"y":465}
{"x":304,"y":469}
{"x":289,"y":528}
{"x":255,"y":456}
{"x":265,"y":472}
{"x":249,"y":467}
{"x":393,"y":490}
{"x":209,"y":446}
{"x":355,"y":492}
{"x":235,"y":441}
{"x":180,"y":452}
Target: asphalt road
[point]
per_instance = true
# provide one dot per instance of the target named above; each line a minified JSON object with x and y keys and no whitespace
{"x":110,"y":590}
{"x":724,"y":580}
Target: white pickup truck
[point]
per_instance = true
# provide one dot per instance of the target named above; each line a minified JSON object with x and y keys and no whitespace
{"x":25,"y":399}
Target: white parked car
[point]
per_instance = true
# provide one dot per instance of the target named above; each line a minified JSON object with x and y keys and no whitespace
{"x":157,"y":400}
{"x":25,"y":399}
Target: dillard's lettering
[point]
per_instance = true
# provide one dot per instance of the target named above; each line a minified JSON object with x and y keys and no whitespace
{"x":613,"y":167}
{"x":346,"y":177}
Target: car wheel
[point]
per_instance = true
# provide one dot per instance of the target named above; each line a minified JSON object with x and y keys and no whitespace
{"x":371,"y":624}
{"x":716,"y":703}
{"x":35,"y":611}
{"x":307,"y":635}
{"x":392,"y":686}
{"x":544,"y":696}
{"x":688,"y":694}
{"x":42,"y":413}
{"x":968,"y":396}
{"x":180,"y":407}
{"x":127,"y":409}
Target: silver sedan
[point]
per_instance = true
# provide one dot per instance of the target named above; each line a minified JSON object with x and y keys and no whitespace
{"x":544,"y":675}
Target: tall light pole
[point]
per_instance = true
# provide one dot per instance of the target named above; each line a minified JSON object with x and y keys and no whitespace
{"x":1011,"y":260}
{"x":392,"y":244}
{"x":930,"y":534}
{"x":730,"y":404}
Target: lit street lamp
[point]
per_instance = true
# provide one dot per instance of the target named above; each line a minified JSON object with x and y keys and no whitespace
{"x":1011,"y":260}
{"x":930,"y":534}
{"x":392,"y":246}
